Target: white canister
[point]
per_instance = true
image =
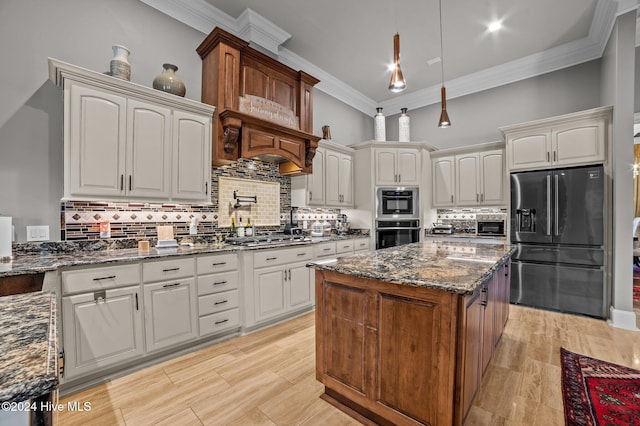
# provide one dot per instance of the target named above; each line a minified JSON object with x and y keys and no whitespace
{"x":6,"y":234}
{"x":379,"y":131}
{"x":404,"y":126}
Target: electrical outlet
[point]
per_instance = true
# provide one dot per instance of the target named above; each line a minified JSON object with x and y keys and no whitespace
{"x":38,"y":233}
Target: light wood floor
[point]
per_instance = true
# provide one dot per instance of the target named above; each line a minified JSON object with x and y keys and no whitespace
{"x":268,"y":378}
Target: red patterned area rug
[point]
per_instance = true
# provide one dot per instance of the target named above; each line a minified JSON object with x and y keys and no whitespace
{"x":598,"y":393}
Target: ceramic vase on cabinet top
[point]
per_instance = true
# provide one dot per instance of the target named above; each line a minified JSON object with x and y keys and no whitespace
{"x":119,"y":66}
{"x":404,"y":126}
{"x":169,"y":82}
{"x":379,"y":131}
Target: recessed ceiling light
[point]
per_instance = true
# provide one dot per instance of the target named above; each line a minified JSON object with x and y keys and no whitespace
{"x":494,"y":26}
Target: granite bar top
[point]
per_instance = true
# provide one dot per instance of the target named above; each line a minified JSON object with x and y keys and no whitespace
{"x":452,"y":266}
{"x":45,"y":261}
{"x":28,"y":351}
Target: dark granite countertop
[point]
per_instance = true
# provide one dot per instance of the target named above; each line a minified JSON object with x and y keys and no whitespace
{"x":46,"y":261}
{"x":28,"y":351}
{"x":457,"y":267}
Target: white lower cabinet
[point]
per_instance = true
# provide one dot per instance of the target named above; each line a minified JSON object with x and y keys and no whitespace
{"x":218,"y":293}
{"x":170,"y":313}
{"x":101,"y":328}
{"x":277,"y":283}
{"x":170,"y":304}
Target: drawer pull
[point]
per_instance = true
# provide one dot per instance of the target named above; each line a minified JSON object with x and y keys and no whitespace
{"x":218,"y":263}
{"x":345,"y":246}
{"x":170,"y":269}
{"x":110,"y":277}
{"x":221,"y":302}
{"x":221,"y":321}
{"x":170,"y":285}
{"x":327,"y":249}
{"x":302,"y":254}
{"x":220,"y":282}
{"x":271,"y":258}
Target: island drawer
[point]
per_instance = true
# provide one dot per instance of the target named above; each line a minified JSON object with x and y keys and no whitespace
{"x":90,"y":279}
{"x":219,"y":321}
{"x":345,"y":246}
{"x":217,"y":302}
{"x":325,"y":249}
{"x":216,"y":283}
{"x":168,"y":269}
{"x":282,"y":257}
{"x":217,"y":263}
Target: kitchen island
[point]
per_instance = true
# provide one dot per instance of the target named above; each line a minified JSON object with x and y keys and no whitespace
{"x":403,"y":335}
{"x":28,"y":357}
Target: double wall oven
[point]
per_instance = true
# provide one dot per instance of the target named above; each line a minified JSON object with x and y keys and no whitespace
{"x":397,"y":216}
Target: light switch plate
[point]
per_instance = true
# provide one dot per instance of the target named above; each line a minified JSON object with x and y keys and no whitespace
{"x":38,"y":233}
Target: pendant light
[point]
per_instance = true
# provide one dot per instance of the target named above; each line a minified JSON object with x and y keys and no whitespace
{"x":444,"y":117}
{"x":397,"y":83}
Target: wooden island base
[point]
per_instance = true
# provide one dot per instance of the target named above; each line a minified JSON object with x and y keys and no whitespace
{"x":403,"y":355}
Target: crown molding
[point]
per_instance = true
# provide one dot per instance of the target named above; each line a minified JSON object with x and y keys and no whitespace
{"x":254,"y":28}
{"x":257,"y":29}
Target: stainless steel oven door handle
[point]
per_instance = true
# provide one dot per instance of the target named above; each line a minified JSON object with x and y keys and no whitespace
{"x":556,"y":205}
{"x":548,"y":205}
{"x":397,"y":228}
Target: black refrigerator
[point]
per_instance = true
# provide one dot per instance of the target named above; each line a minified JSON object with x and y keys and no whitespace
{"x":557,"y":227}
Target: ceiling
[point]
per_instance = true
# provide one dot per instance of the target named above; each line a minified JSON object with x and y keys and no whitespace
{"x":348,"y":44}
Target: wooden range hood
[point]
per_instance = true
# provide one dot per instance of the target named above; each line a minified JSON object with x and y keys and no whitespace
{"x":232,"y":70}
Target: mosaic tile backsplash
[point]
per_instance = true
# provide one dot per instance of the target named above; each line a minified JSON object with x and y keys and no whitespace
{"x":81,"y":220}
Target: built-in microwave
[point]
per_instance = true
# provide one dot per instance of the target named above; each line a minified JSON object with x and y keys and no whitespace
{"x":397,"y":203}
{"x":491,"y":224}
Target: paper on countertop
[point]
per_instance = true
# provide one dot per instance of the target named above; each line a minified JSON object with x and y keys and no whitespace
{"x":165,"y":232}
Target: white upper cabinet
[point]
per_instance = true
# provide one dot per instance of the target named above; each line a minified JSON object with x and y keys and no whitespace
{"x":128,"y":142}
{"x":315,"y":180}
{"x":397,"y":166}
{"x":191,"y":156}
{"x":331,"y":182}
{"x":468,"y":182}
{"x":95,"y":142}
{"x":443,"y":181}
{"x":569,"y":140}
{"x":469,"y":179}
{"x":338,"y":177}
{"x":148,"y":152}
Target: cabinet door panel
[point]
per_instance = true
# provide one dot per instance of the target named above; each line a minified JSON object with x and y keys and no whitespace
{"x":579,"y":143}
{"x":443,"y":181}
{"x":385,"y":163}
{"x":269,"y":293}
{"x":96,"y":156}
{"x":332,"y":178}
{"x":346,"y":179}
{"x":530,"y":150}
{"x":170,"y":313}
{"x":101,"y":331}
{"x":148,"y":150}
{"x":401,"y":386}
{"x":191,"y":152}
{"x":315,"y":181}
{"x":300,"y":288}
{"x":493,"y":176}
{"x":408,"y":166}
{"x":344,"y":311}
{"x":467,"y":171}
